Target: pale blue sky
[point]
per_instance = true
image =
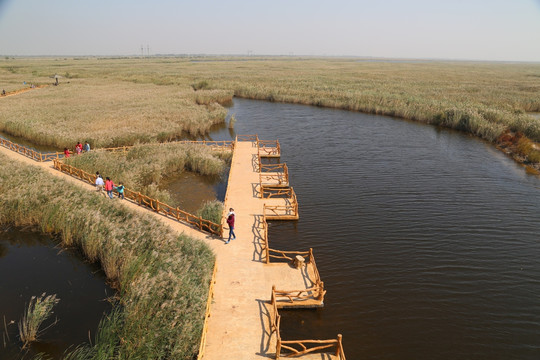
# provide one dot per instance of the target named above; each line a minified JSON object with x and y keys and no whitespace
{"x":453,"y":29}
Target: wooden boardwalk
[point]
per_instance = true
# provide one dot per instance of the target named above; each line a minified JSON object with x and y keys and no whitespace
{"x":241,"y":319}
{"x":240,"y":325}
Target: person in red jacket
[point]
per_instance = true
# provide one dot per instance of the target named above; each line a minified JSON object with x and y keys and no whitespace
{"x":78,"y":148}
{"x":109,"y":187}
{"x":66,"y":152}
{"x":230,"y":222}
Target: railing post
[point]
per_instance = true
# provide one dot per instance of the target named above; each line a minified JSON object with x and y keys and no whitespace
{"x":320,"y":296}
{"x":338,"y":347}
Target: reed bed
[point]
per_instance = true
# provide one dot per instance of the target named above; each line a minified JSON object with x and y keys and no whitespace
{"x":90,"y":105}
{"x":146,"y":167}
{"x":483,"y":99}
{"x":162,"y":279}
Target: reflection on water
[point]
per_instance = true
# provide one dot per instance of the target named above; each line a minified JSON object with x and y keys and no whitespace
{"x":32,"y":264}
{"x":427,"y":239}
{"x":190,"y":191}
{"x":21,"y":141}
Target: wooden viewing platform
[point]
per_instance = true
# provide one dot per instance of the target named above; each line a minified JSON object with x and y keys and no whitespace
{"x":313,"y":349}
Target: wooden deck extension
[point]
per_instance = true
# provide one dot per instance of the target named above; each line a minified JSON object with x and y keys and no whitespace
{"x":241,"y":325}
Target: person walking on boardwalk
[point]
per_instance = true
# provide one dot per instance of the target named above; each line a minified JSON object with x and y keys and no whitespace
{"x":86,"y":147}
{"x":66,"y":152}
{"x":230,"y":222}
{"x":78,"y":148}
{"x":99,"y":183}
{"x":109,"y":187}
{"x":120,"y":189}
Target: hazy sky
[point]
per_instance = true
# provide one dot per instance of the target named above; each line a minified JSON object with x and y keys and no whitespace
{"x":452,"y":29}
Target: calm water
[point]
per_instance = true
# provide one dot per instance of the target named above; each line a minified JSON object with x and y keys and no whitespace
{"x":31,"y":264}
{"x":21,"y":141}
{"x":428,"y":240}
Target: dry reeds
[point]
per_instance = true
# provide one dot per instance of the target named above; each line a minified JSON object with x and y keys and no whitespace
{"x":121,"y":101}
{"x":162,"y":279}
{"x":39,"y":309}
{"x":211,"y":210}
{"x":144,"y":167}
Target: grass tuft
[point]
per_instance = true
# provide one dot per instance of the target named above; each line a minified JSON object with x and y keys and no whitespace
{"x":211,"y":210}
{"x":39,"y":309}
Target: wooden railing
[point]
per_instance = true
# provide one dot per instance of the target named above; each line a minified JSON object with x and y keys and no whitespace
{"x":273,"y":191}
{"x":314,"y":293}
{"x":39,"y":156}
{"x":294,"y":348}
{"x":273,"y":174}
{"x":269,"y":148}
{"x":31,"y":153}
{"x":289,"y":211}
{"x":254,"y":137}
{"x":202,"y":346}
{"x":154,"y":204}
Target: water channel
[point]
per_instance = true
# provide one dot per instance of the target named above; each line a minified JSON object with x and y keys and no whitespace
{"x":31,"y":264}
{"x":428,"y":240}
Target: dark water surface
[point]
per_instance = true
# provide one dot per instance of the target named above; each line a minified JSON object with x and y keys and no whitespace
{"x":31,"y":264}
{"x":428,"y":240}
{"x":23,"y":142}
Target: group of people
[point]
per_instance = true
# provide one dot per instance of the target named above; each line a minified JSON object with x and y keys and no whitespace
{"x":108,"y":186}
{"x":79,"y":148}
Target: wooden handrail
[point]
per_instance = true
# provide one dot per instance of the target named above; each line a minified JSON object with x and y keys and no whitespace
{"x":273,"y":191}
{"x":269,"y":148}
{"x":31,"y":153}
{"x":154,"y":204}
{"x":39,"y":156}
{"x":299,"y":347}
{"x":253,"y":137}
{"x":202,"y":346}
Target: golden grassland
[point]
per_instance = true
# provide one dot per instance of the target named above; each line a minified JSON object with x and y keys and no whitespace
{"x":145,"y":167}
{"x":162,"y":279}
{"x":104,"y":110}
{"x":119,"y":101}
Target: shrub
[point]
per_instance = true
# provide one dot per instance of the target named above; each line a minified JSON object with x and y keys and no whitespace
{"x":211,"y":210}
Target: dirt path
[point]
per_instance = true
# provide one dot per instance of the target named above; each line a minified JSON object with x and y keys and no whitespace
{"x":20,"y":91}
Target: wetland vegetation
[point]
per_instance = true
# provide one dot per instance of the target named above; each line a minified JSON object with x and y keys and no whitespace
{"x":125,"y":100}
{"x":145,"y":167}
{"x":161,"y":298}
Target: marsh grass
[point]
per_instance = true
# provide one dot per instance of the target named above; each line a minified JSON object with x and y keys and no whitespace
{"x":121,"y":101}
{"x":39,"y":309}
{"x":145,"y":167}
{"x":211,"y":210}
{"x":162,"y":279}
